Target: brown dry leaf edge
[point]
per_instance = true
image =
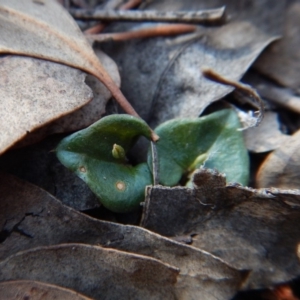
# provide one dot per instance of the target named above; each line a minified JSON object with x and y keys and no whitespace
{"x":35,"y":92}
{"x":45,"y":30}
{"x":35,"y":228}
{"x":257,"y":230}
{"x":281,"y":168}
{"x":34,"y":290}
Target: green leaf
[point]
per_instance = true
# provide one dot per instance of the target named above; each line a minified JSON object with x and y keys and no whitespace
{"x":97,"y":155}
{"x":213,"y":141}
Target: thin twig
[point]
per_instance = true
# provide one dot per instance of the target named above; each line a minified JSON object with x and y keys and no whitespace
{"x":244,"y":88}
{"x":99,"y":27}
{"x":155,"y":166}
{"x":163,"y":30}
{"x":201,"y":16}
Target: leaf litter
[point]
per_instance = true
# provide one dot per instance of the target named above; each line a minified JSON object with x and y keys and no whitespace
{"x":87,"y":114}
{"x":30,"y":218}
{"x":281,"y":169}
{"x":38,"y":165}
{"x":173,"y":77}
{"x":267,"y":136}
{"x":47,"y":31}
{"x":281,"y":60}
{"x":22,"y":289}
{"x":266,"y":22}
{"x":94,"y":271}
{"x":250,"y":229}
{"x":34,"y":92}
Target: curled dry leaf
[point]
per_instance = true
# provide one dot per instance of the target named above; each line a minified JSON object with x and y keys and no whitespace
{"x":85,"y":115}
{"x":30,"y":218}
{"x":265,"y":137}
{"x":169,"y":69}
{"x":250,"y":229}
{"x":34,"y":92}
{"x":94,"y":271}
{"x":45,"y":30}
{"x":34,"y":290}
{"x":281,"y":61}
{"x":281,"y":169}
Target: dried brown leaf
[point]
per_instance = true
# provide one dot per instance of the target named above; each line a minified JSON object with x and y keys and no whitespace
{"x":34,"y":92}
{"x":265,"y":137}
{"x":30,"y":218}
{"x":249,"y":229}
{"x":281,"y":61}
{"x":45,"y":30}
{"x":93,"y":271}
{"x":87,"y":114}
{"x":169,"y":69}
{"x":34,"y":290}
{"x":281,"y":169}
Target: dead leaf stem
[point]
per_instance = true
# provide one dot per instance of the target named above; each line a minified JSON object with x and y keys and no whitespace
{"x":163,"y":30}
{"x":248,"y":90}
{"x":200,"y":16}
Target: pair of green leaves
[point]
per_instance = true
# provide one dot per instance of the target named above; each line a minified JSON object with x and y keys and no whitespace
{"x":97,"y":154}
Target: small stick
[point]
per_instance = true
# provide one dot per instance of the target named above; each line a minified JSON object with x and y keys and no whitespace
{"x":200,"y":16}
{"x":248,"y":90}
{"x":163,"y":30}
{"x":155,"y":166}
{"x":99,"y":27}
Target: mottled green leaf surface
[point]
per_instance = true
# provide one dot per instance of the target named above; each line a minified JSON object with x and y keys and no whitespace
{"x":89,"y":153}
{"x":213,"y":141}
{"x":97,"y":154}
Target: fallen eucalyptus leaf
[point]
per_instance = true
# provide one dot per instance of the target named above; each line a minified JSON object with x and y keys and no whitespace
{"x":45,"y":30}
{"x":169,"y":68}
{"x":30,"y":217}
{"x":213,"y":141}
{"x":35,"y":92}
{"x":281,"y":60}
{"x":34,"y":290}
{"x":250,"y":229}
{"x":93,"y":271}
{"x":119,"y":185}
{"x":265,"y":137}
{"x":281,"y":169}
{"x":86,"y":115}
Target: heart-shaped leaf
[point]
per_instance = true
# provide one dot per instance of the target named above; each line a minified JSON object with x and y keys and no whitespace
{"x":213,"y":141}
{"x":96,"y":155}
